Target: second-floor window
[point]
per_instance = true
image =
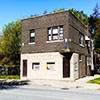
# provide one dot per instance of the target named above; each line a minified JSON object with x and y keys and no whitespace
{"x":32,"y":36}
{"x":55,"y":33}
{"x":80,"y":57}
{"x":81,"y":39}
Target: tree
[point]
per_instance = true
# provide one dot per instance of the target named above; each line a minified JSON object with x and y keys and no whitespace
{"x":10,"y":43}
{"x":94,"y":25}
{"x":81,"y":15}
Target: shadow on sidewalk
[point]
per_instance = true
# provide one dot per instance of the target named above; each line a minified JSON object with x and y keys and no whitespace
{"x":5,"y":84}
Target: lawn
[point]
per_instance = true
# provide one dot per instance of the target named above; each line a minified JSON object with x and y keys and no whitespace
{"x":9,"y":77}
{"x":95,"y":81}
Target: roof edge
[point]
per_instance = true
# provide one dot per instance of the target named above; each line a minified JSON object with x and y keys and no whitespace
{"x":56,"y":13}
{"x":78,"y":19}
{"x":45,"y":15}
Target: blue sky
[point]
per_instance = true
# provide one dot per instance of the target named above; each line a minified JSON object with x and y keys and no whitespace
{"x":10,"y":10}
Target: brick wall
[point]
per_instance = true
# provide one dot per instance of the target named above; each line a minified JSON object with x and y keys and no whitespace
{"x":72,"y":27}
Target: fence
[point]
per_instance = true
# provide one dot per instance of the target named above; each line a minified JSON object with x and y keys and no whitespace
{"x":10,"y":70}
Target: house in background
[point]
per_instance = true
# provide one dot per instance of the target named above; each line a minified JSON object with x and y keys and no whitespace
{"x":55,"y":47}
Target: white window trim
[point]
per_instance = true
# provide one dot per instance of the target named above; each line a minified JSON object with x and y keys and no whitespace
{"x":31,"y":43}
{"x":32,"y":35}
{"x":54,"y":41}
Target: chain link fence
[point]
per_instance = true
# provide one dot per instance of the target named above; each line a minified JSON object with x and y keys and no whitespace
{"x":10,"y":70}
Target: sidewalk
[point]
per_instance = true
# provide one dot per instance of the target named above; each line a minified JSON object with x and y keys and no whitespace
{"x":80,"y":83}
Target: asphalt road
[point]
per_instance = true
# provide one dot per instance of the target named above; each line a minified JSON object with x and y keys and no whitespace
{"x":48,"y":93}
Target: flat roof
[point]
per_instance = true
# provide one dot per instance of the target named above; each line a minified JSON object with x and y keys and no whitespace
{"x":52,"y":13}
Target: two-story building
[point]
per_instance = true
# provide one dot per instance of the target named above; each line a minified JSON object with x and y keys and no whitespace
{"x":55,"y":46}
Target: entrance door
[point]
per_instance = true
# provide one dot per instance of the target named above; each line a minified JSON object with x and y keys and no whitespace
{"x":66,"y":67}
{"x":24,"y":68}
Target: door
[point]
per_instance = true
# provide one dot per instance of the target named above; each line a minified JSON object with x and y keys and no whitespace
{"x":24,"y":68}
{"x":66,"y":67}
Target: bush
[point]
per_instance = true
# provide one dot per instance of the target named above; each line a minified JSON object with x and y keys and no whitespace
{"x":9,"y":77}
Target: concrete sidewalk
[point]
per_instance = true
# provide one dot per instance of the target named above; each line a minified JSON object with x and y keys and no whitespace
{"x":80,"y":83}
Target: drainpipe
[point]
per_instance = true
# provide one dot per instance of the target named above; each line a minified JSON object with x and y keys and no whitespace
{"x":92,"y":65}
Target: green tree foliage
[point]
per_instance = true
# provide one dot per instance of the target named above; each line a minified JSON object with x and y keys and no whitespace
{"x":79,"y":14}
{"x":10,"y":43}
{"x":94,"y":25}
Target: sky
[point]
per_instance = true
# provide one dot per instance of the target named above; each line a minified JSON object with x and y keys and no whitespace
{"x":11,"y":10}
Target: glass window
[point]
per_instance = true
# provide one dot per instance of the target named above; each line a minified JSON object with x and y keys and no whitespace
{"x":61,"y":36}
{"x":55,"y":30}
{"x":32,"y":35}
{"x":49,"y":31}
{"x":49,"y":38}
{"x":61,"y":32}
{"x":81,"y":39}
{"x":50,"y":65}
{"x":55,"y":33}
{"x":49,"y":34}
{"x":35,"y":65}
{"x":55,"y":36}
{"x":80,"y":57}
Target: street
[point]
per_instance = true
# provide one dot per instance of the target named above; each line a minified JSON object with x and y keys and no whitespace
{"x":48,"y":93}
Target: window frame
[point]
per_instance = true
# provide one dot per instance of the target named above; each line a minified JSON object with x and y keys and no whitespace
{"x":34,"y":64}
{"x":55,"y":34}
{"x":31,"y":36}
{"x":80,"y":58}
{"x":61,"y":32}
{"x":49,"y":64}
{"x":81,"y":39}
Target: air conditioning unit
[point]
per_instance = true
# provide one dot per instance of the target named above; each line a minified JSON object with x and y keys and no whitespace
{"x":87,"y":38}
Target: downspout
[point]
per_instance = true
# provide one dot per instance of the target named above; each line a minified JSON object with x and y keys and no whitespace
{"x":92,"y":65}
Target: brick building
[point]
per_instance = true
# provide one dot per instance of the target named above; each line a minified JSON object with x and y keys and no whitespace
{"x":55,"y":46}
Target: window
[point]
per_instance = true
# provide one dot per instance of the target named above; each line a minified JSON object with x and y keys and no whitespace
{"x":80,"y":57}
{"x":88,"y":43}
{"x":81,"y":39}
{"x":50,"y":65}
{"x":55,"y":33}
{"x":61,"y":32}
{"x":49,"y":34}
{"x":35,"y":65}
{"x":32,"y":35}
